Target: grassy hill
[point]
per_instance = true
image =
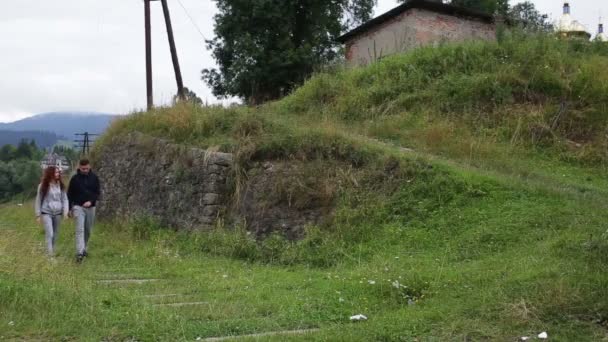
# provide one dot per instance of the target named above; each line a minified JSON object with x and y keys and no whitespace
{"x":470,"y":204}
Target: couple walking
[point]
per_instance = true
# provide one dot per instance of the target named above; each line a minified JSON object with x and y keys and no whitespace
{"x":54,"y":202}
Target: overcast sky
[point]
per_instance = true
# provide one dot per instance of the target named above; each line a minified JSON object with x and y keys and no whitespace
{"x":88,"y":55}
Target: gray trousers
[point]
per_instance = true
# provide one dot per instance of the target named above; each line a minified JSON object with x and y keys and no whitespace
{"x":51,"y":230}
{"x":84,"y":219}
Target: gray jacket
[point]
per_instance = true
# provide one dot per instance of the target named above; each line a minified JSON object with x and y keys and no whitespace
{"x":54,"y":203}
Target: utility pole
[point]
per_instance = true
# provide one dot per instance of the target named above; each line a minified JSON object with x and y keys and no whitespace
{"x":178,"y":73}
{"x":176,"y":68}
{"x":150,"y":99}
{"x":84,"y":144}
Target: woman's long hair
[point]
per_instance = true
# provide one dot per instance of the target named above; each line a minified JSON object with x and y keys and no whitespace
{"x":47,"y":177}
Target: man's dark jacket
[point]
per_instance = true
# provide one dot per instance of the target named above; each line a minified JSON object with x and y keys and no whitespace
{"x":83,"y":188}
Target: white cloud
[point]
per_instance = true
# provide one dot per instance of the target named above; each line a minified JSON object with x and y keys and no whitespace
{"x":88,"y":55}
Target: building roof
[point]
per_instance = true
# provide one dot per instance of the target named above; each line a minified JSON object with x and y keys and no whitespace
{"x":423,"y":4}
{"x":601,"y":36}
{"x":54,"y":159}
{"x":568,"y":25}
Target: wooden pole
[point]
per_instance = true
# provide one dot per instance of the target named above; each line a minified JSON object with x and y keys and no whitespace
{"x":150,"y":99}
{"x":178,"y":73}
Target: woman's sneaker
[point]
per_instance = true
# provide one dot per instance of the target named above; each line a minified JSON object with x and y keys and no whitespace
{"x":79,"y":258}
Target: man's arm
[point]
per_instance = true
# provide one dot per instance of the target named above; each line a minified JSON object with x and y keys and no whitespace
{"x":71,"y":189}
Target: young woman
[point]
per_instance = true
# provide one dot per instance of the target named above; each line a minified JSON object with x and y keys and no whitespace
{"x":51,"y":205}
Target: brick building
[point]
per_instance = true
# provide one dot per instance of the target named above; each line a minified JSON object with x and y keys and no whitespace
{"x":413,"y":24}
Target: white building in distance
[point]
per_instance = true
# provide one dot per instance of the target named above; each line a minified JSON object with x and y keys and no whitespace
{"x":567,"y":27}
{"x":601,"y":36}
{"x":53,"y":159}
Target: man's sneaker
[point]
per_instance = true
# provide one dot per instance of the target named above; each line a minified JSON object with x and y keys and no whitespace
{"x":79,"y":258}
{"x":85,"y":254}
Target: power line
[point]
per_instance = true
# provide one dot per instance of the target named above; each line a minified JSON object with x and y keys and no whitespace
{"x":192,"y":20}
{"x":84,"y":144}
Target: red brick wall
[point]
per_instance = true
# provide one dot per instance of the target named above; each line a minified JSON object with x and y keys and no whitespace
{"x":413,"y":29}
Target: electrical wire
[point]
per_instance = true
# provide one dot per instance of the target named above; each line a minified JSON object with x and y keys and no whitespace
{"x":192,"y":21}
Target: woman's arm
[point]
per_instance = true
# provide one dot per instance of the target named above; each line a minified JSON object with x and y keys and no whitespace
{"x":66,"y":204}
{"x":37,"y":203}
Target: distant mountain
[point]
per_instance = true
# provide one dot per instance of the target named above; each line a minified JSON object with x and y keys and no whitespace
{"x":63,"y":124}
{"x":42,"y":139}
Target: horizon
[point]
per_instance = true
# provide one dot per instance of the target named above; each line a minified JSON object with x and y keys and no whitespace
{"x":74,"y":113}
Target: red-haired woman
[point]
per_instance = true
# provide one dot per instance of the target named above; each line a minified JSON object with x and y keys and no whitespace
{"x":51,"y":205}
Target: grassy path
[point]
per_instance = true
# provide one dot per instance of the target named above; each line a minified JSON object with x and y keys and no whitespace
{"x":513,"y":263}
{"x":146,"y":290}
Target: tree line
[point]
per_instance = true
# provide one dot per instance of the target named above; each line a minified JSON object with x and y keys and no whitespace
{"x":42,"y":138}
{"x":20,"y":169}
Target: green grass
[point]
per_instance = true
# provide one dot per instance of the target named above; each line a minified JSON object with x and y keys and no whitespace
{"x":493,"y":106}
{"x":492,"y":228}
{"x":475,"y":257}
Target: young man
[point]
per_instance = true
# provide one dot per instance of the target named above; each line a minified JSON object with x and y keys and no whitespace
{"x":83,"y":193}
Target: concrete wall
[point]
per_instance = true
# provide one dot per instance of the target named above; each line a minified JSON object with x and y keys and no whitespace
{"x":412,"y":29}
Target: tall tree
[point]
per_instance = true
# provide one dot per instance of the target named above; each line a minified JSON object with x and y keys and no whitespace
{"x":526,"y":16}
{"x":26,"y":149}
{"x":7,"y":181}
{"x":189,"y":96}
{"x":7,"y":152}
{"x":19,"y":169}
{"x":499,"y":7}
{"x":264,"y":48}
{"x":27,"y":175}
